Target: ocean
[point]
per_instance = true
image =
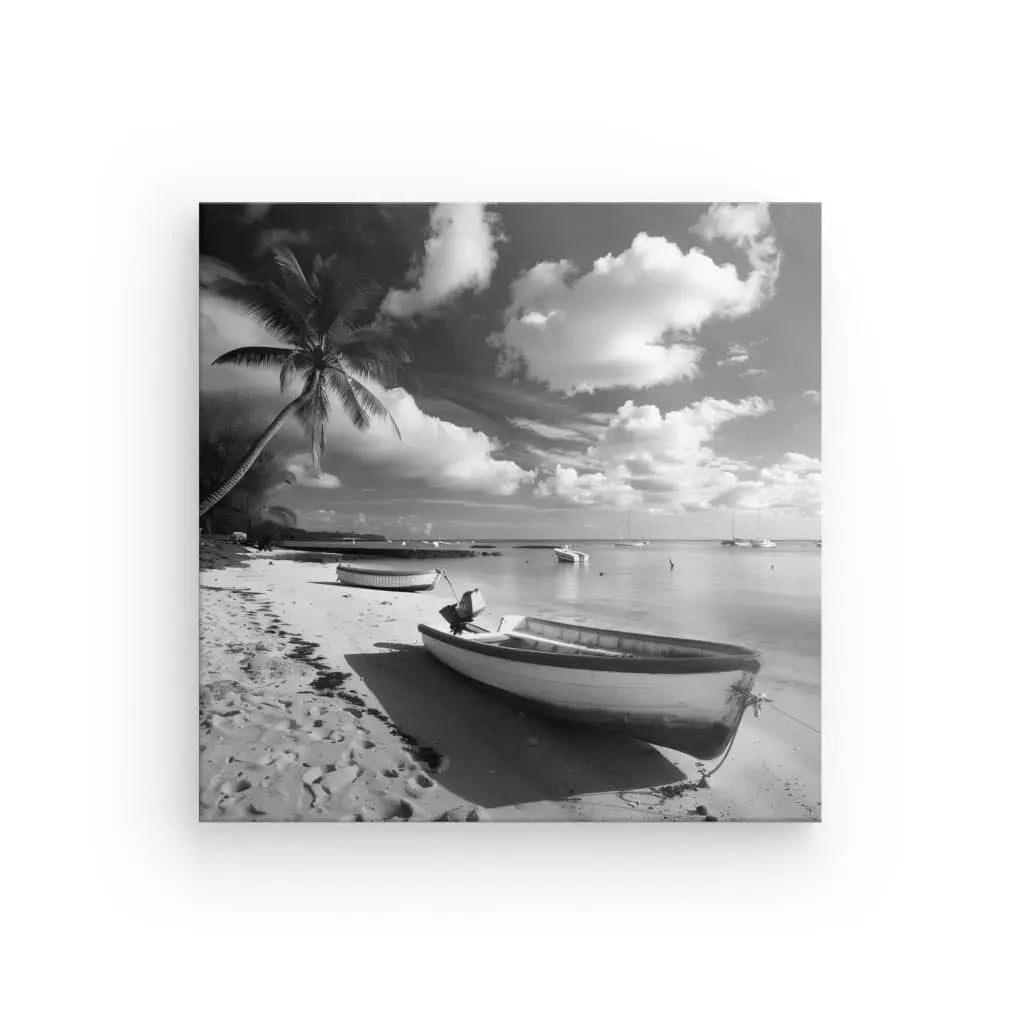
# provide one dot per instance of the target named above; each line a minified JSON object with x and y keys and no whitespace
{"x":768,"y":599}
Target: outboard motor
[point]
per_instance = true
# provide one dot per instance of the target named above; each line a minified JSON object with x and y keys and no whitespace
{"x":470,"y":605}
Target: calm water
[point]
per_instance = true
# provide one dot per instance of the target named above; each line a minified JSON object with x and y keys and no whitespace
{"x":766,"y":599}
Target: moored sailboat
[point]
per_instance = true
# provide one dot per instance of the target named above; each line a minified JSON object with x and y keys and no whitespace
{"x":623,"y":541}
{"x":762,"y":542}
{"x":734,"y":541}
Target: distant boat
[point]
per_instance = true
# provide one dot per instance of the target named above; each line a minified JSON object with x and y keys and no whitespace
{"x":383,"y":578}
{"x":735,"y":542}
{"x":763,"y":542}
{"x":688,"y":695}
{"x":625,"y":543}
{"x":568,"y":554}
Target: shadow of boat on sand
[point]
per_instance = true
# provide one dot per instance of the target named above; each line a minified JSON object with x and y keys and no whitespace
{"x":498,"y":754}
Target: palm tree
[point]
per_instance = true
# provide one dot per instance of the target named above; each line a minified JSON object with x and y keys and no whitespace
{"x":226,"y":426}
{"x":326,"y":322}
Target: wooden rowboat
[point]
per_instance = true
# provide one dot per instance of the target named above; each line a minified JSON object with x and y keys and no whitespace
{"x":385,"y":578}
{"x":688,"y":695}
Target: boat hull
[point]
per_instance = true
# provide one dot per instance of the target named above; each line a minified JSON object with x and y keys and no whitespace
{"x":571,"y":556}
{"x":383,"y":579}
{"x":687,"y":706}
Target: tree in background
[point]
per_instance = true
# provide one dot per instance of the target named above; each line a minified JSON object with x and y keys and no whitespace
{"x":225,"y":423}
{"x":325,"y":324}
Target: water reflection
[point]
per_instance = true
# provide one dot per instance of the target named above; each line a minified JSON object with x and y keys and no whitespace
{"x":568,"y":581}
{"x":768,"y":599}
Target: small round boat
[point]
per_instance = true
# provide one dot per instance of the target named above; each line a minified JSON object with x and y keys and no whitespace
{"x":380,"y":577}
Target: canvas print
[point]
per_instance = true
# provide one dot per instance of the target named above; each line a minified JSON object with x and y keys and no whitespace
{"x":510,"y":512}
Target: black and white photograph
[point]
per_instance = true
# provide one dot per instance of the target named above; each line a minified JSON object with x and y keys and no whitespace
{"x":604,"y":430}
{"x":510,"y":512}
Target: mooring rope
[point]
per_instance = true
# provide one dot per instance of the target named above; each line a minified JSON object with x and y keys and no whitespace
{"x":450,"y":584}
{"x":704,"y":773}
{"x":755,"y":701}
{"x":795,"y":719}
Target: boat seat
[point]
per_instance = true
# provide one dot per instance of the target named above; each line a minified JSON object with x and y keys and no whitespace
{"x":487,"y":638}
{"x":564,"y":643}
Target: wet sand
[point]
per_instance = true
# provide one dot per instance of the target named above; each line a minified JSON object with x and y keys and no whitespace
{"x":318,"y":703}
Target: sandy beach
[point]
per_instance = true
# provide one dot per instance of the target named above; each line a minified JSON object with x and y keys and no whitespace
{"x":318,"y":703}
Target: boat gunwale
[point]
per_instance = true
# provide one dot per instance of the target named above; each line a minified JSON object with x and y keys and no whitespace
{"x":365,"y":570}
{"x":727,"y":657}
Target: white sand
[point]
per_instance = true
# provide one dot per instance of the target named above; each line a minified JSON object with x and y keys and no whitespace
{"x":399,"y":737}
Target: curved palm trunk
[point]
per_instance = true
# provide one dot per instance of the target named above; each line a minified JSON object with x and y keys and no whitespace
{"x":251,"y":456}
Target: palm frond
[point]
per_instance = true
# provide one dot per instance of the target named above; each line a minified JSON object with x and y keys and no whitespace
{"x":314,"y":412}
{"x":288,"y":371}
{"x":358,"y":401}
{"x":256,"y":356}
{"x":272,"y":309}
{"x":375,"y":356}
{"x":356,"y":300}
{"x":290,"y":271}
{"x":319,"y":304}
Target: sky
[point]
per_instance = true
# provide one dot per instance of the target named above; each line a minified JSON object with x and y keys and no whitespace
{"x":582,"y":371}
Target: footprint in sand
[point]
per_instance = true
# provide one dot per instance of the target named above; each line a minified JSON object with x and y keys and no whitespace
{"x":338,"y":778}
{"x":318,"y":794}
{"x":464,"y":814}
{"x":232,"y":787}
{"x":400,"y":811}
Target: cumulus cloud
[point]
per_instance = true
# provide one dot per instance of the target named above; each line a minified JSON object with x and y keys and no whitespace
{"x":628,"y":320}
{"x":577,"y":488}
{"x":321,"y":515}
{"x":214,"y":273}
{"x":549,"y":431}
{"x":430,"y":449}
{"x":300,"y":465}
{"x":793,"y":485}
{"x":748,"y":226}
{"x":549,"y":458}
{"x":736,"y":354}
{"x":224,"y":325}
{"x":459,"y":255}
{"x":658,"y":458}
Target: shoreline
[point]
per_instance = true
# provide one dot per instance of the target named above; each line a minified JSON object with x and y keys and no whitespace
{"x":318,"y":703}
